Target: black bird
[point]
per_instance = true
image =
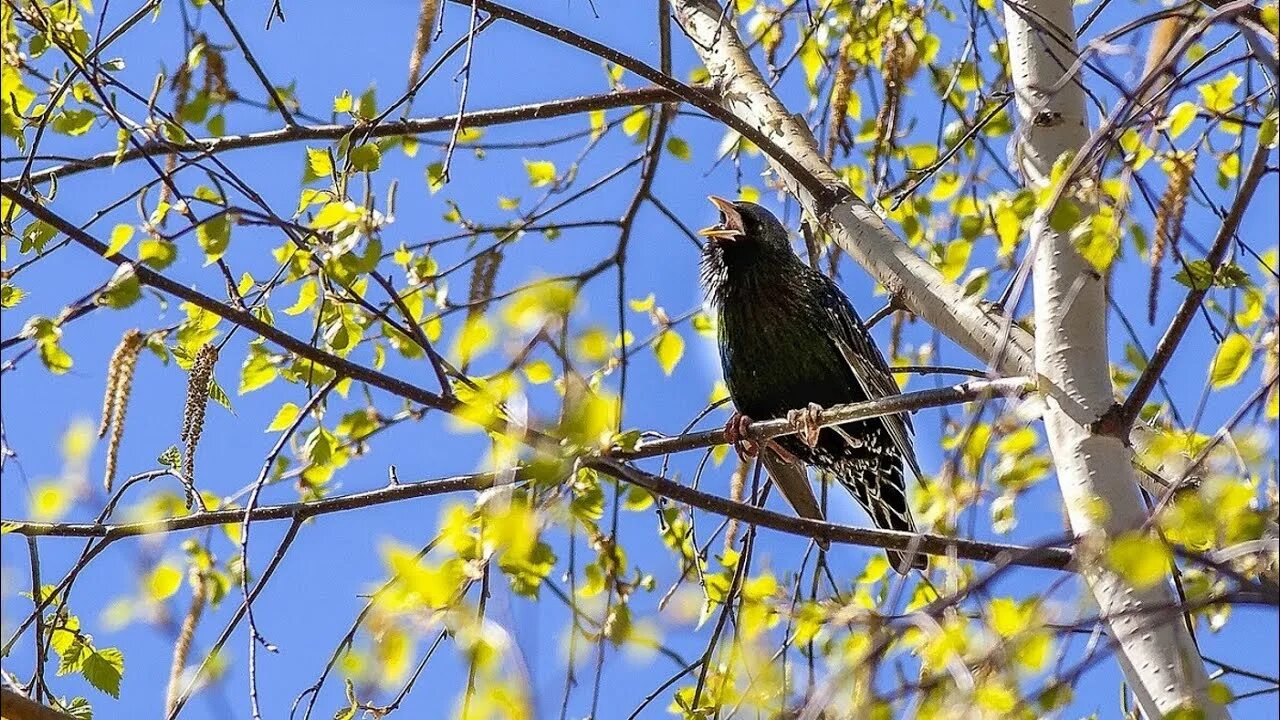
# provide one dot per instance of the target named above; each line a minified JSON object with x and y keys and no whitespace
{"x":790,"y":339}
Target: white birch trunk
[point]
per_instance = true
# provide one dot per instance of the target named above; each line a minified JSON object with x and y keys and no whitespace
{"x":1156,"y":651}
{"x":1160,"y":661}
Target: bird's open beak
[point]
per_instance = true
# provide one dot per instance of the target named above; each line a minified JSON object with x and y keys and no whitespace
{"x":730,"y":227}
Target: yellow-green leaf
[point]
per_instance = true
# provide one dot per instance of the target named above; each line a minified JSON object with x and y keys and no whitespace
{"x":318,"y":162}
{"x":1140,"y":558}
{"x":1180,"y":118}
{"x":541,"y":172}
{"x":49,"y":501}
{"x":162,"y":582}
{"x":669,"y":348}
{"x":214,"y":235}
{"x":285,"y":416}
{"x":120,"y":236}
{"x":307,"y":293}
{"x":1231,"y":361}
{"x":538,"y":371}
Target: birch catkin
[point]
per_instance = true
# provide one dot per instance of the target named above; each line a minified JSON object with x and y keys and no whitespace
{"x":1173,"y":205}
{"x":115,"y":401}
{"x":197,"y":401}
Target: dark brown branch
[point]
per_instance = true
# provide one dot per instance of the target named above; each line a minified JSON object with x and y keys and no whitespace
{"x":480,"y":118}
{"x":247,"y":320}
{"x":1052,"y":558}
{"x":1191,"y":303}
{"x":700,"y":98}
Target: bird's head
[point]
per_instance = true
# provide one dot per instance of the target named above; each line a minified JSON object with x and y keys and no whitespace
{"x":747,"y":238}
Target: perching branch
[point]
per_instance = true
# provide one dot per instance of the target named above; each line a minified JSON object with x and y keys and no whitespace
{"x":839,"y":414}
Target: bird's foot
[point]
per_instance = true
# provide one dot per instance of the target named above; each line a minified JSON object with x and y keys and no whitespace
{"x":807,"y":422}
{"x":735,"y":432}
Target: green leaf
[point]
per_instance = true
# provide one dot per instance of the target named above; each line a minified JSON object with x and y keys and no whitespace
{"x":157,"y":254}
{"x":435,"y":177}
{"x":343,"y":103}
{"x":11,"y":295}
{"x":36,"y":236}
{"x":55,"y":358}
{"x":123,"y":289}
{"x":319,"y":165}
{"x":163,"y":582}
{"x":538,"y":371}
{"x":307,"y":293}
{"x":171,"y":457}
{"x":1231,"y":361}
{"x":669,"y":348}
{"x":73,"y":122}
{"x":214,"y":235}
{"x":366,"y":158}
{"x":679,"y":148}
{"x":1180,"y":118}
{"x":218,"y":395}
{"x":103,"y":669}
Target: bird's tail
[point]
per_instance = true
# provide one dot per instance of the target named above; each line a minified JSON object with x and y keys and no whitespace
{"x":899,"y":518}
{"x":878,"y":486}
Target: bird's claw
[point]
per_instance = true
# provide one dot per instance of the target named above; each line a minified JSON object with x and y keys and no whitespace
{"x":807,"y":422}
{"x":735,"y":432}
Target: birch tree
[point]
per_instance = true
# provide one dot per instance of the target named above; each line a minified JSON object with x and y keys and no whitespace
{"x":460,"y":297}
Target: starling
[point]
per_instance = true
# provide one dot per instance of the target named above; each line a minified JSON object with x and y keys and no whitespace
{"x":790,"y":339}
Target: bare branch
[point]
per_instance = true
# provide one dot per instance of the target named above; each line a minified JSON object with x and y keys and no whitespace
{"x":300,"y":133}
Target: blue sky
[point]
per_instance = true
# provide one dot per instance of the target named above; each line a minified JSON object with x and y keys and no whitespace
{"x":329,"y":47}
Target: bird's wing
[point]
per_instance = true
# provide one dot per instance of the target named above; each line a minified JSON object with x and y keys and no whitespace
{"x":869,"y":368}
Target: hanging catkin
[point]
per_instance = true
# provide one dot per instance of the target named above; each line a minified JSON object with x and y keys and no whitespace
{"x":197,"y":400}
{"x":1173,"y":205}
{"x":115,"y":401}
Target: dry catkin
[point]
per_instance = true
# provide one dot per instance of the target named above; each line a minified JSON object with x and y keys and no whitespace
{"x":197,"y":400}
{"x":181,"y":86}
{"x":894,"y":68}
{"x":422,"y":39}
{"x":841,"y":87}
{"x":182,"y":648}
{"x":115,"y":401}
{"x":483,"y":274}
{"x":1173,"y":205}
{"x":737,"y":489}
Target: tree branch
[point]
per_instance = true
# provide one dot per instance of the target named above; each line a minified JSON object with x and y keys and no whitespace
{"x":247,"y":320}
{"x":297,"y":133}
{"x":836,"y":415}
{"x":1053,"y":558}
{"x":20,"y":707}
